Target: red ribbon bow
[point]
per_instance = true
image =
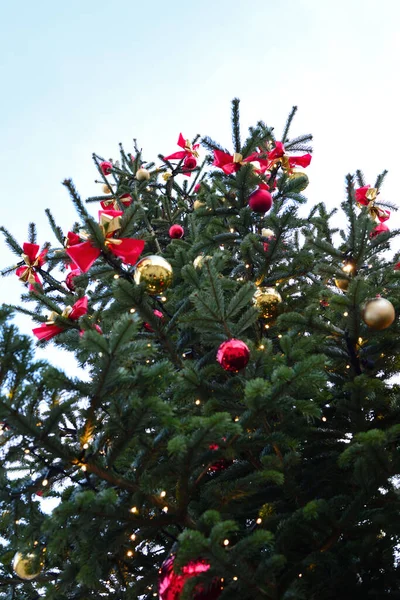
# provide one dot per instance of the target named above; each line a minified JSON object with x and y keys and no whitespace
{"x":33,"y":261}
{"x":188,"y":149}
{"x":128,"y":250}
{"x":126,"y":200}
{"x":231,"y":163}
{"x":366,"y":196}
{"x":48,"y":330}
{"x":278,"y":154}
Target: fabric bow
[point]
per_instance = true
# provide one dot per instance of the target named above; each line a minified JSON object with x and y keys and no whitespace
{"x":188,"y":149}
{"x":48,"y":330}
{"x":112,"y":203}
{"x":231,"y":163}
{"x":278,"y":156}
{"x":127,"y":249}
{"x":33,"y":261}
{"x":366,"y":196}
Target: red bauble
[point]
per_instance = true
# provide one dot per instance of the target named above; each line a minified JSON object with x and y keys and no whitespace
{"x":147,"y":326}
{"x":233,"y":355}
{"x":176,"y":232}
{"x":190,"y":162}
{"x":260,"y":201}
{"x":69,"y":280}
{"x":106,"y":167}
{"x":126,"y":199}
{"x":170,"y":584}
{"x":197,"y":188}
{"x":381,"y":228}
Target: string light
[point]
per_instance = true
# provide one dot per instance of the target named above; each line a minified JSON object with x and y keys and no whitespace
{"x":129,"y":553}
{"x":132,"y":310}
{"x":347,"y":366}
{"x":45,"y":482}
{"x":85,"y":446}
{"x":116,"y":276}
{"x":279,"y":335}
{"x":134,"y":509}
{"x":163,"y":299}
{"x":300,"y":574}
{"x":226,"y":542}
{"x":84,"y":467}
{"x":133,"y":537}
{"x":149,"y":345}
{"x":163,"y":494}
{"x":346,"y":314}
{"x":259,"y":521}
{"x":27,"y":451}
{"x":235,"y":578}
{"x":236,"y":419}
{"x":324,"y":419}
{"x":165,"y":509}
{"x":266,"y":326}
{"x":261,"y":347}
{"x":197,"y":402}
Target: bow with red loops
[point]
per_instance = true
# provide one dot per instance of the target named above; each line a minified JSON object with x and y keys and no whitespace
{"x":127,"y":249}
{"x":33,"y":261}
{"x":231,"y":163}
{"x":48,"y":330}
{"x":366,"y":196}
{"x":188,"y":149}
{"x":277,"y":156}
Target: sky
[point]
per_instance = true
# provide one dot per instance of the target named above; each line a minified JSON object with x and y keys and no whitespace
{"x":82,"y":76}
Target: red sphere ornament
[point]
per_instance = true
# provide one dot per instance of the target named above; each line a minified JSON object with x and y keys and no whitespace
{"x":106,"y":167}
{"x":176,"y":232}
{"x":69,"y":280}
{"x":233,"y":355}
{"x":147,"y":326}
{"x":190,"y":163}
{"x":381,"y":228}
{"x":170,"y":584}
{"x":260,"y":201}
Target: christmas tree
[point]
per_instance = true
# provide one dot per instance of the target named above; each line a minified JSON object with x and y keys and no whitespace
{"x":234,"y":429}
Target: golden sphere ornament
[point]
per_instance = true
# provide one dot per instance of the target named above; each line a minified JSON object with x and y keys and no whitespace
{"x":23,"y":567}
{"x":301,"y":180}
{"x":198,"y":204}
{"x":378,"y":313}
{"x":142,"y":175}
{"x":342,"y":284}
{"x":155,"y":272}
{"x":267,"y":300}
{"x":199,"y":261}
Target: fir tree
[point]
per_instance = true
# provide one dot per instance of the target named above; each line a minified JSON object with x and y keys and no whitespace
{"x":273,"y":467}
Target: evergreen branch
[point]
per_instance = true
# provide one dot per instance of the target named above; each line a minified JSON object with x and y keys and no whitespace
{"x":236,"y":125}
{"x":288,"y":124}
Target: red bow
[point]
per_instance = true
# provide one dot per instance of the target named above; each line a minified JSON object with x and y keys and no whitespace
{"x":188,"y":149}
{"x":381,"y":228}
{"x":126,"y":200}
{"x":231,"y":163}
{"x":278,"y":155}
{"x":366,"y":196}
{"x":33,"y":261}
{"x":129,"y":250}
{"x":48,"y":330}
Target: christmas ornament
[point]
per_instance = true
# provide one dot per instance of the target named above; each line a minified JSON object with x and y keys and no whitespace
{"x":33,"y":260}
{"x":260,"y":201}
{"x":378,"y":313}
{"x":233,"y":355}
{"x":176,"y":232}
{"x":278,"y":157}
{"x":301,"y":180}
{"x":147,"y":326}
{"x":48,"y":330}
{"x":142,"y":175}
{"x":199,"y":261}
{"x":155,"y":272}
{"x":270,"y":235}
{"x":107,"y":189}
{"x":219,"y":465}
{"x":106,"y":167}
{"x":198,"y":204}
{"x":349,"y":267}
{"x":381,"y":228}
{"x":188,"y":152}
{"x":267,"y":301}
{"x":69,"y":280}
{"x":170,"y":584}
{"x":342,"y":284}
{"x":190,"y":163}
{"x":23,"y":566}
{"x":127,"y":249}
{"x":197,"y":188}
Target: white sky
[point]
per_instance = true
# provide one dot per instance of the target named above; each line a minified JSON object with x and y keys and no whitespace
{"x":84,"y":76}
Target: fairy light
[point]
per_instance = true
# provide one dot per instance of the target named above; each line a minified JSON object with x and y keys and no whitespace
{"x":324,"y":419}
{"x":163,"y":299}
{"x":236,"y":419}
{"x":235,"y":578}
{"x":360,"y":340}
{"x":165,"y":509}
{"x":279,"y":335}
{"x":84,"y":468}
{"x":226,"y":542}
{"x":17,"y":522}
{"x":348,"y":267}
{"x":346,"y":314}
{"x":163,"y":494}
{"x":247,"y":266}
{"x":259,"y":521}
{"x":347,"y":366}
{"x":132,"y":310}
{"x":116,"y":276}
{"x":300,"y":575}
{"x":45,"y":482}
{"x":132,"y":537}
{"x":232,"y":230}
{"x":134,"y":509}
{"x":85,"y":446}
{"x":197,"y":402}
{"x":266,"y":326}
{"x":27,"y":451}
{"x":261,"y":347}
{"x":129,"y":553}
{"x":149,"y":345}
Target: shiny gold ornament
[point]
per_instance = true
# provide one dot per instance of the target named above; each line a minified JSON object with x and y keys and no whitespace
{"x":342,"y":284}
{"x":155,"y":272}
{"x":349,"y":267}
{"x":199,"y":261}
{"x":142,"y":175}
{"x":301,"y":178}
{"x":23,"y":566}
{"x":378,"y":313}
{"x":198,"y":204}
{"x":267,"y":300}
{"x":107,"y":189}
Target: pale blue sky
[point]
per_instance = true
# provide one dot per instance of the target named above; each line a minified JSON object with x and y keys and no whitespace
{"x":82,"y":75}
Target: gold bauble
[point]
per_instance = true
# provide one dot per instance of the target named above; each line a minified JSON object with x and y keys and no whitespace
{"x":267,"y":300}
{"x":155,"y":272}
{"x":378,"y":313}
{"x":301,"y":178}
{"x":142,"y":175}
{"x":199,"y":261}
{"x":198,"y":204}
{"x":107,"y":189}
{"x":342,"y":284}
{"x":23,"y":566}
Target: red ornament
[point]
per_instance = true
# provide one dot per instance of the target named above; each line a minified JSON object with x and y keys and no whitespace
{"x":197,"y":188}
{"x":170,"y":584}
{"x":190,"y":162}
{"x":233,"y":355}
{"x":106,"y":167}
{"x":260,"y":201}
{"x":69,"y":280}
{"x":219,"y":465}
{"x":176,"y":232}
{"x":381,"y":228}
{"x":147,"y":326}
